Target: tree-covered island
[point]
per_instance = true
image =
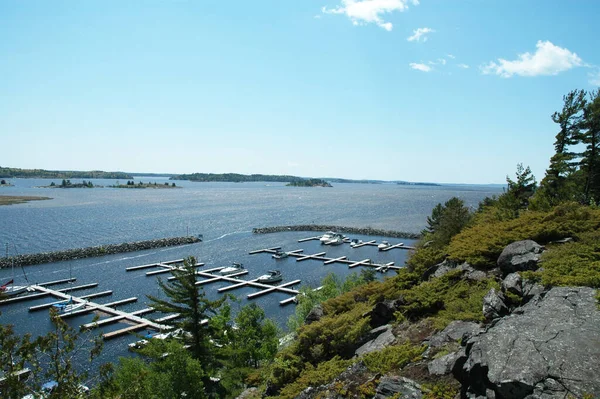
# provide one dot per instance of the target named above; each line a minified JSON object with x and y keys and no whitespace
{"x":309,"y":183}
{"x":66,"y":183}
{"x":140,"y":184}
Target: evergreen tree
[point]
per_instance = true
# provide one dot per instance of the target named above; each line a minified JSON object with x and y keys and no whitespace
{"x":557,"y":186}
{"x":188,"y":299}
{"x":590,"y":137}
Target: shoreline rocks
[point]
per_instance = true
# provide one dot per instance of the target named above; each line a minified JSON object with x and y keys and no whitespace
{"x":368,"y":231}
{"x":89,"y":252}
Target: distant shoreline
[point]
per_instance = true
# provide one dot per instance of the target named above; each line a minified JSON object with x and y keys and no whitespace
{"x":368,"y":231}
{"x":19,"y":199}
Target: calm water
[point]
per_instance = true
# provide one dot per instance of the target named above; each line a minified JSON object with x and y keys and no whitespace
{"x":224,"y":213}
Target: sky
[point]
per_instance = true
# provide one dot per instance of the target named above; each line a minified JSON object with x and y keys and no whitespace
{"x":426,"y":91}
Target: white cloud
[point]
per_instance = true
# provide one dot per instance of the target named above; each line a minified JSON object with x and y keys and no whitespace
{"x":463,"y":66}
{"x":595,"y":78}
{"x":548,"y":59}
{"x":450,"y":56}
{"x":370,"y":11}
{"x":442,"y":61}
{"x":420,"y":33}
{"x":420,"y":67}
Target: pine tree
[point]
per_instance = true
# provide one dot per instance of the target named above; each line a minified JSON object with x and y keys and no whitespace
{"x":188,"y":299}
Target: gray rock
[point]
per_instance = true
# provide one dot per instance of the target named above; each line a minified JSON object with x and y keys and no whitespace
{"x":383,"y":312}
{"x":389,"y":386}
{"x":520,"y":256}
{"x":550,"y":349}
{"x":447,"y":266}
{"x":315,"y":314}
{"x":443,"y":365}
{"x":385,"y":338}
{"x":494,"y":305}
{"x":513,"y":284}
{"x":531,"y":290}
{"x":455,"y":331}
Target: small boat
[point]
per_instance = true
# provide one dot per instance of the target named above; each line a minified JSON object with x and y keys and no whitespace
{"x":49,"y":387}
{"x":383,"y":245}
{"x":9,"y":289}
{"x":143,"y":342}
{"x":355,"y":242}
{"x":279,"y":254}
{"x":327,"y":236}
{"x":273,"y":276}
{"x":235,"y":268}
{"x":337,"y":239}
{"x":68,"y":306}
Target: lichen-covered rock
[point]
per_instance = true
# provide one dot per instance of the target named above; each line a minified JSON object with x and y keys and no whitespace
{"x":443,"y":365}
{"x":390,"y":386}
{"x":549,"y":348}
{"x":520,"y":256}
{"x":513,"y":284}
{"x":383,"y":312}
{"x":315,"y":314}
{"x":494,"y":305}
{"x":458,"y":330}
{"x":447,"y":266}
{"x":383,"y":339}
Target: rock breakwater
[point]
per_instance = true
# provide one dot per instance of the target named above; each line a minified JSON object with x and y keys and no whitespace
{"x":368,"y":231}
{"x":101,"y":250}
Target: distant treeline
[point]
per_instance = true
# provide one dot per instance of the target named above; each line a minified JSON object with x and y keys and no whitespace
{"x":237,"y":178}
{"x":309,"y":183}
{"x":60,"y":174}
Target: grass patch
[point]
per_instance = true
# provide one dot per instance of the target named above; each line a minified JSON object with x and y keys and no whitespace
{"x":19,"y":199}
{"x":393,"y":358}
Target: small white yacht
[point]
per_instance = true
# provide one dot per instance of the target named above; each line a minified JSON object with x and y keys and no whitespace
{"x":68,"y":306}
{"x":383,"y":245}
{"x":336,"y":239}
{"x":273,"y":276}
{"x":235,"y":268}
{"x":327,"y":236}
{"x":355,"y":242}
{"x":279,"y":254}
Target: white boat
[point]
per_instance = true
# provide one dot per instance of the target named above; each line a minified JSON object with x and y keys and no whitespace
{"x":50,"y":386}
{"x":279,"y":254}
{"x":327,"y":236}
{"x":235,"y":268}
{"x":10,"y":289}
{"x":273,"y":276}
{"x":383,"y":245}
{"x":68,"y":306}
{"x":355,"y":242}
{"x":336,"y":239}
{"x":143,"y":342}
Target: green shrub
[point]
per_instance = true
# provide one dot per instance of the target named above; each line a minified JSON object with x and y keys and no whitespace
{"x":333,"y":335}
{"x":572,"y":264}
{"x":482,"y":243}
{"x":392,"y":358}
{"x":324,"y":373}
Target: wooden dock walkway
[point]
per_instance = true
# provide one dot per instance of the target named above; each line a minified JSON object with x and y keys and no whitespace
{"x":131,"y":317}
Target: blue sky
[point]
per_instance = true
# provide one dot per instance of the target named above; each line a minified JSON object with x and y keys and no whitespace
{"x":310,"y":88}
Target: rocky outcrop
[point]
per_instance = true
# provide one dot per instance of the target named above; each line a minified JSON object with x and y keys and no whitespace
{"x":384,"y":337}
{"x":456,"y":331}
{"x":401,"y":387}
{"x":367,"y":231}
{"x":383,"y":312}
{"x":315,"y":314}
{"x":494,"y":305}
{"x":470,"y":273}
{"x":49,"y":257}
{"x":520,"y":256}
{"x":548,"y":348}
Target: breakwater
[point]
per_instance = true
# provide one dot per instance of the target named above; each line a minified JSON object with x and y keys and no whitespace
{"x":368,"y":231}
{"x":101,"y":250}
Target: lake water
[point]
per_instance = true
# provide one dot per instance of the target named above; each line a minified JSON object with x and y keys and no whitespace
{"x":224,"y":213}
